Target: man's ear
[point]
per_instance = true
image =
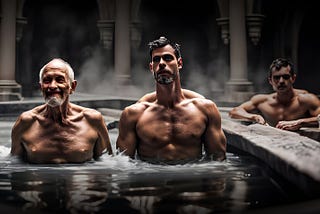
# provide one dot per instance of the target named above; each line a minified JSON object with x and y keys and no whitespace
{"x":180,"y":63}
{"x":294,"y":76}
{"x":40,"y":88}
{"x":150,"y":67}
{"x":73,"y":86}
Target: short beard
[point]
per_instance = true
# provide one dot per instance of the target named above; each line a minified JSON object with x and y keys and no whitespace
{"x":164,"y":79}
{"x":54,"y":101}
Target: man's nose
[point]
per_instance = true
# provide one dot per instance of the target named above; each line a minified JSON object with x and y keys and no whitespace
{"x":162,"y":60}
{"x":53,"y":84}
{"x":162,"y":63}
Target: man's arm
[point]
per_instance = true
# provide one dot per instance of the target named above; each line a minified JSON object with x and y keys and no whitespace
{"x":244,"y":111}
{"x":294,"y":125}
{"x":214,"y":138}
{"x":23,"y":122}
{"x":127,"y":139}
{"x":103,"y":141}
{"x":313,"y":104}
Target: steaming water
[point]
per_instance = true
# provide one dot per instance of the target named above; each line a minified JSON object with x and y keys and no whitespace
{"x":116,"y":184}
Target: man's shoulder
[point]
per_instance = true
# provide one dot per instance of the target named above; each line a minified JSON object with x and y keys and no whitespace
{"x":301,"y":91}
{"x":201,"y":101}
{"x":133,"y":112}
{"x":89,"y":113}
{"x":138,"y":107}
{"x":263,"y":96}
{"x":148,"y":97}
{"x":205,"y":105}
{"x":304,"y":93}
{"x":259,"y":98}
{"x":31,"y":114}
{"x":305,"y":96}
{"x":27,"y":116}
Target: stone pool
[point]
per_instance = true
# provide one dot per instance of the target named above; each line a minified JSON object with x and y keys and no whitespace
{"x":117,"y":184}
{"x":253,"y":179}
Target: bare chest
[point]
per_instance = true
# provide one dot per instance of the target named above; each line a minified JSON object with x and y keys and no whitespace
{"x":171,"y":126}
{"x":66,"y":143}
{"x":277,"y":112}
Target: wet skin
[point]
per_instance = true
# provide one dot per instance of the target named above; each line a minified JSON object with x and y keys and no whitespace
{"x":59,"y":131}
{"x":287,"y":108}
{"x":166,"y":126}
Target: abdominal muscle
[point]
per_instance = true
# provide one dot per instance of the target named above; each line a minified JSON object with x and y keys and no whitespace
{"x":165,"y":151}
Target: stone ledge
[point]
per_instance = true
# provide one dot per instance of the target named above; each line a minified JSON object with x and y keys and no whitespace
{"x":293,"y":156}
{"x":313,"y":133}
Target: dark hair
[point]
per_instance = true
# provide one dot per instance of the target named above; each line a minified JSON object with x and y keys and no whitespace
{"x":277,"y":64}
{"x":163,"y":41}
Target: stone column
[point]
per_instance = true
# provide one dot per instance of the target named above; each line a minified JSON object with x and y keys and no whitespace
{"x":122,"y":43}
{"x":238,"y":88}
{"x":106,"y":28}
{"x":106,"y":23}
{"x":9,"y":88}
{"x":135,"y":31}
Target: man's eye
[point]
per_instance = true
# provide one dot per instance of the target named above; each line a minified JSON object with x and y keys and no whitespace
{"x":167,"y":57}
{"x":156,"y":59}
{"x":285,"y":76}
{"x":60,"y":80}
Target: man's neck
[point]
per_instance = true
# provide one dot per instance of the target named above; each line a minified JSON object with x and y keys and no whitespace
{"x":58,"y":113}
{"x":286,"y":97}
{"x":169,"y":95}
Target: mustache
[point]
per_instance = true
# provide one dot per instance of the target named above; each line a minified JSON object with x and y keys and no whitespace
{"x":163,"y":71}
{"x":49,"y":92}
{"x":53,"y":90}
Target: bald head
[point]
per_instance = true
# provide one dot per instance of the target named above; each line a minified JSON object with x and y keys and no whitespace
{"x":58,"y":64}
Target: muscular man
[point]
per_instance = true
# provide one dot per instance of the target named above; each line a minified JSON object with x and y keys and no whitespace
{"x":287,"y":108}
{"x":170,"y":128}
{"x":59,"y":131}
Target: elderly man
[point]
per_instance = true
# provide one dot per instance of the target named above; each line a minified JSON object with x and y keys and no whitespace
{"x":59,"y":131}
{"x":167,"y":126}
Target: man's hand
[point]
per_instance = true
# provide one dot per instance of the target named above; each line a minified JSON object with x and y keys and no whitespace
{"x":259,"y":119}
{"x":292,"y":125}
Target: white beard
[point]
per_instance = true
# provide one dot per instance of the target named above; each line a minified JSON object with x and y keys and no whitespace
{"x":54,"y":101}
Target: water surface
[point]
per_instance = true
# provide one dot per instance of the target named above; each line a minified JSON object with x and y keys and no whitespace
{"x":116,"y":184}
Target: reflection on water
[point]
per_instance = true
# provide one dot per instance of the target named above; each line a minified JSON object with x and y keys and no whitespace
{"x":117,"y":184}
{"x":120,"y":185}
